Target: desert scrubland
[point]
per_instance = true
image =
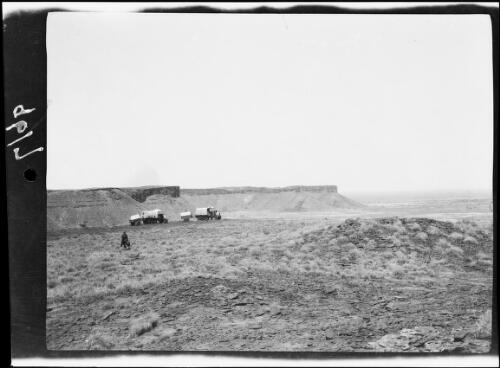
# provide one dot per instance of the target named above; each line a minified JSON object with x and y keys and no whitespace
{"x":405,"y":277}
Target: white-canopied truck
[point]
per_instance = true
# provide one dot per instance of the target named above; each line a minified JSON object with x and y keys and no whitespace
{"x":148,"y":217}
{"x":135,"y":220}
{"x":207,"y":213}
{"x":186,"y":216}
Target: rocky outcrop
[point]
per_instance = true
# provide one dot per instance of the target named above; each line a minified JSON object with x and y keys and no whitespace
{"x":140,"y":194}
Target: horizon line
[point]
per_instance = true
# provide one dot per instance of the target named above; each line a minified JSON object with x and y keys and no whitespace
{"x":398,"y":190}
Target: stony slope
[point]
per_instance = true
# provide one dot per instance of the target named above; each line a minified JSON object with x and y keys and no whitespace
{"x":287,"y":201}
{"x":401,"y":285}
{"x":89,"y":208}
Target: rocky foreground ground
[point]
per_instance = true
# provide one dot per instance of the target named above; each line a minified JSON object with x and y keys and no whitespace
{"x":389,"y":284}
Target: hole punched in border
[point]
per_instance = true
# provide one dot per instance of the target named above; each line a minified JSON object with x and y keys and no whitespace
{"x":30,"y":175}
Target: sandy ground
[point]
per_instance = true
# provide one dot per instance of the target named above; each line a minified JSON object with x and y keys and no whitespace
{"x":297,"y":283}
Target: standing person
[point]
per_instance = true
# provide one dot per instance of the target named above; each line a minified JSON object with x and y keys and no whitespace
{"x":125,"y":242}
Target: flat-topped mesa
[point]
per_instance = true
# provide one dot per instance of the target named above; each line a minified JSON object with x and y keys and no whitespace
{"x":240,"y":190}
{"x":107,"y":207}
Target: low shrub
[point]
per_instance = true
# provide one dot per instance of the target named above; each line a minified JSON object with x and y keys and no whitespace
{"x":354,"y":254}
{"x":422,"y":236}
{"x":394,"y":240}
{"x":99,"y":340}
{"x":442,"y":242}
{"x":414,"y":226}
{"x":432,"y":230}
{"x":370,"y":244}
{"x":482,"y":329}
{"x":366,"y":225}
{"x":342,"y":240}
{"x":470,"y":239}
{"x":456,"y":250}
{"x":144,"y":324}
{"x":456,"y":236}
{"x":333,"y":242}
{"x":349,"y":247}
{"x":66,"y":279}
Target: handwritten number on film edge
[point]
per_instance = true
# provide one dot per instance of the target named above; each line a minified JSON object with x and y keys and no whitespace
{"x":21,"y":126}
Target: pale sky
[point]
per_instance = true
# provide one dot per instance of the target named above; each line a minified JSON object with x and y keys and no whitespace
{"x":366,"y":102}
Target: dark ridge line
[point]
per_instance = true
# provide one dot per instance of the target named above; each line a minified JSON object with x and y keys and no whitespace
{"x":175,"y":191}
{"x":250,"y":189}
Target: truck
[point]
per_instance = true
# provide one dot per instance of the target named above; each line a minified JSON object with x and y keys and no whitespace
{"x":186,"y":216}
{"x":207,"y":213}
{"x":135,"y":220}
{"x":148,"y":217}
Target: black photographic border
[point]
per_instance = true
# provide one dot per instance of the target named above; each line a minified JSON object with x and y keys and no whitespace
{"x":25,"y":83}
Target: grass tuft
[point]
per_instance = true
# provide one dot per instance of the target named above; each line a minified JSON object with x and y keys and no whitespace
{"x":144,"y":323}
{"x":482,"y":329}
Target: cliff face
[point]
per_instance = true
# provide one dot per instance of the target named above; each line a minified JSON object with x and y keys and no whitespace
{"x":247,"y":190}
{"x":106,"y":207}
{"x":140,"y":194}
{"x":89,"y":208}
